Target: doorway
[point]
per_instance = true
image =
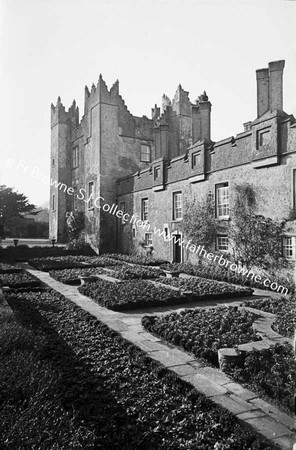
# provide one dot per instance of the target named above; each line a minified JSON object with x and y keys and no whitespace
{"x":177,"y":248}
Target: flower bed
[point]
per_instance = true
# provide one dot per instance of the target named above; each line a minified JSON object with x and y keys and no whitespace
{"x":84,"y":386}
{"x":136,"y":272}
{"x":216,"y":272}
{"x":137,"y":259}
{"x":128,"y":294}
{"x":285,"y":313}
{"x":203,"y":288}
{"x":17,"y":280}
{"x":72,"y":262}
{"x":9,"y":268}
{"x":203,"y":331}
{"x":71,"y":276}
{"x":271,"y":373}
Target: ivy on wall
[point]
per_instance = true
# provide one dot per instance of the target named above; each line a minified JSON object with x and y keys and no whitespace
{"x":256,"y":239}
{"x":199,"y":221}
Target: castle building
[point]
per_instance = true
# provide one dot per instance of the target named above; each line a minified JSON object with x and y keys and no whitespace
{"x":149,"y":168}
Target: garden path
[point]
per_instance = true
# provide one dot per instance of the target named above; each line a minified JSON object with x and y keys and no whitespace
{"x":256,"y":413}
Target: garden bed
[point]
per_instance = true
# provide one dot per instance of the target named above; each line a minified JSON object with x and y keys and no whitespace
{"x":285,"y":313}
{"x":19,"y":279}
{"x":72,"y":276}
{"x":137,"y":259}
{"x":215,"y":272}
{"x":269,"y":372}
{"x":203,"y":331}
{"x":72,"y":262}
{"x":129,"y":294}
{"x":203,"y":288}
{"x":136,"y":272}
{"x":68,"y":381}
{"x":6,"y":267}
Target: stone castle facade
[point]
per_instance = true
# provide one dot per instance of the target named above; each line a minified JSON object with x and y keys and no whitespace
{"x":150,"y":167}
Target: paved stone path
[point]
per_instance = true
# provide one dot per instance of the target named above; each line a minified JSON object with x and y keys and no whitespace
{"x":261,"y":416}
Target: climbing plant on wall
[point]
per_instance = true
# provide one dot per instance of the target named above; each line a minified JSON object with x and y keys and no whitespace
{"x":256,"y":239}
{"x":75,"y":226}
{"x":199,"y":221}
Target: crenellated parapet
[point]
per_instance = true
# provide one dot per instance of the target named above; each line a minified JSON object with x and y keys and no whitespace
{"x":265,"y":142}
{"x":60,"y":115}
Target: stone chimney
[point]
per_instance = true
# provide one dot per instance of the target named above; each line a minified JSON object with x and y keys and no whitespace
{"x":201,"y":119}
{"x":262,"y":76}
{"x":270,"y":88}
{"x":276,"y":69}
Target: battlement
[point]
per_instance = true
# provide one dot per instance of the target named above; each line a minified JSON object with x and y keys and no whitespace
{"x":60,"y":115}
{"x":266,"y":142}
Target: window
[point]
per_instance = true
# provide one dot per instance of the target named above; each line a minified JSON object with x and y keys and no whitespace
{"x":75,"y":157}
{"x":166,"y":231}
{"x":156,"y":172}
{"x":123,"y":209}
{"x":148,"y":239}
{"x":177,"y":205}
{"x":145,"y":153}
{"x":144,"y":209}
{"x":134,"y":232}
{"x":195,"y":159}
{"x":74,"y":198}
{"x":222,"y":243}
{"x":222,"y":201}
{"x":53,"y":162}
{"x":53,"y":202}
{"x":90,"y":194}
{"x":289,"y":245}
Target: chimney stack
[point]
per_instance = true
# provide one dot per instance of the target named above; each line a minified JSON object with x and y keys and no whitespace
{"x":270,"y":88}
{"x":262,"y":76}
{"x":276,"y":69}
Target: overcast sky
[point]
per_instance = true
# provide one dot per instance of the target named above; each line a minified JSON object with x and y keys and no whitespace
{"x":56,"y":47}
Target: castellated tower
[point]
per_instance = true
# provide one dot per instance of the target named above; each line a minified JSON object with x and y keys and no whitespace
{"x":62,"y":123}
{"x":110,"y":143}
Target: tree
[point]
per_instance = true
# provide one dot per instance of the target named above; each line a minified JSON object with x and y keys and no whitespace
{"x":13,"y":208}
{"x":199,"y":221}
{"x":256,"y":239}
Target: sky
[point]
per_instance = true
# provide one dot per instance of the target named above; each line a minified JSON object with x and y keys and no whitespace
{"x":56,"y":47}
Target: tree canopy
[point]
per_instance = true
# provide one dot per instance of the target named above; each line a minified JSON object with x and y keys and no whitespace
{"x":13,"y":207}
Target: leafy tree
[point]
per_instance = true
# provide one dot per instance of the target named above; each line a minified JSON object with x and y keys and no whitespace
{"x":199,"y":221}
{"x":13,"y":208}
{"x":256,"y":239}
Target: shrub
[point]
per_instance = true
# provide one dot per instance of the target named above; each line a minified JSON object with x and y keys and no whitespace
{"x":24,"y":254}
